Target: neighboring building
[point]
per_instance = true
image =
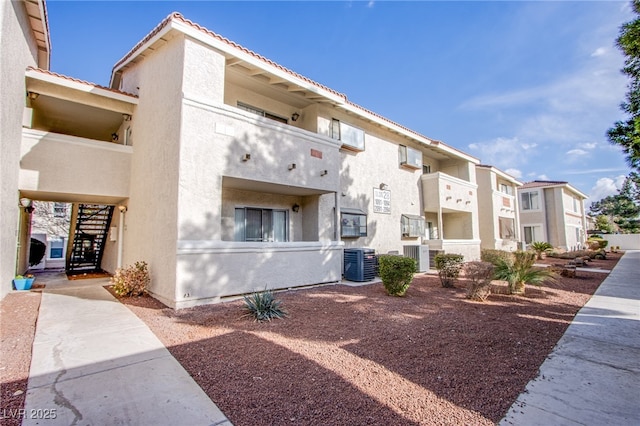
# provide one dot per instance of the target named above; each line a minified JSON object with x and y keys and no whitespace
{"x":553,"y":212}
{"x":498,"y":209}
{"x":232,"y":173}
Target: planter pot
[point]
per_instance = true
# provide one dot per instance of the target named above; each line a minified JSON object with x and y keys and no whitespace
{"x":23,"y":283}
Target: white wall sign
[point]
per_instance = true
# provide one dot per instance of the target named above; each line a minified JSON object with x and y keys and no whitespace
{"x":381,"y":201}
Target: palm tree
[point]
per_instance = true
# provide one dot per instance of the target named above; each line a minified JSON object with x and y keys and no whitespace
{"x":540,"y":247}
{"x":520,"y":271}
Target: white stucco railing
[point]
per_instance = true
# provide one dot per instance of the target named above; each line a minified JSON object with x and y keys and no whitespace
{"x":56,"y":163}
{"x":442,"y":191}
{"x":211,"y":270}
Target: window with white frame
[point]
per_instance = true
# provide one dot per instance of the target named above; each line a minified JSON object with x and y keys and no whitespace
{"x":351,"y":137}
{"x":266,"y":225}
{"x":530,"y":200}
{"x":507,"y":228}
{"x":353,"y":223}
{"x":412,"y":226}
{"x":532,"y":234}
{"x":426,"y":169}
{"x":55,"y":249}
{"x":506,"y":189}
{"x":575,"y":204}
{"x":262,"y":113}
{"x":59,"y":209}
{"x":409,"y":157}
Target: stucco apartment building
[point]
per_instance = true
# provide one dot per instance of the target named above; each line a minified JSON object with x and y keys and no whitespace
{"x":498,"y":208}
{"x":225,"y":171}
{"x":553,"y":212}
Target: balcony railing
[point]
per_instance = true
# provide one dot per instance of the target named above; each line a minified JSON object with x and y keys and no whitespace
{"x":443,"y":192}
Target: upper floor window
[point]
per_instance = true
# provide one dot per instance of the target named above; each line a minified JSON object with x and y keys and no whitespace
{"x":530,"y":200}
{"x":262,"y":113}
{"x":426,"y":169}
{"x":575,"y":204}
{"x":266,"y":225}
{"x":351,"y":137}
{"x":410,"y":157}
{"x":506,"y":189}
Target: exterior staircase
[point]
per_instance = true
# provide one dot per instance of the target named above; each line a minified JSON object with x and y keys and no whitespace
{"x":89,"y":238}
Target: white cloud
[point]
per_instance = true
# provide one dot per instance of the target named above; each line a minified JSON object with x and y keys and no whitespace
{"x":589,"y":145}
{"x":502,"y":152}
{"x":577,"y":151}
{"x":599,"y":52}
{"x":514,"y":172}
{"x":605,"y":187}
{"x":543,"y":177}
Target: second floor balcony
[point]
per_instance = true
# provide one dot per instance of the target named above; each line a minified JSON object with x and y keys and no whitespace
{"x":442,"y":192}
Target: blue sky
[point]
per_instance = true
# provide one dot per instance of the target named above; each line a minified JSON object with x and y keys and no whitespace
{"x":529,"y":87}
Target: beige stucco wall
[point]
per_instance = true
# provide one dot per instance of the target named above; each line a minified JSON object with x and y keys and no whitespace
{"x":492,"y":205}
{"x":150,"y":223}
{"x":19,"y":51}
{"x":62,"y":164}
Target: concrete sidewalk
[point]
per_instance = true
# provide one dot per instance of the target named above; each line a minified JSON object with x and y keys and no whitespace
{"x":592,"y":377}
{"x":96,"y":363}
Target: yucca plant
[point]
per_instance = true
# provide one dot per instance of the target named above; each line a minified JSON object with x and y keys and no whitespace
{"x":540,"y":247}
{"x":263,"y":306}
{"x":520,"y":271}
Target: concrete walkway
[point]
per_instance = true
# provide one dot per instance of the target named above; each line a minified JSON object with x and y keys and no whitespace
{"x":95,"y":363}
{"x":592,"y":377}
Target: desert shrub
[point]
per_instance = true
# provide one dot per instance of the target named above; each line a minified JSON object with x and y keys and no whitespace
{"x":479,"y":275}
{"x":448,"y":266}
{"x":573,"y":254}
{"x":396,"y":273}
{"x":132,"y":280}
{"x":492,"y":255}
{"x":540,"y":247}
{"x":521,"y":271}
{"x":597,"y":243}
{"x":263,"y":306}
{"x":36,"y":251}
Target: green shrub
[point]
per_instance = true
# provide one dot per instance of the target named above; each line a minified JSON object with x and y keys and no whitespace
{"x":479,"y":275}
{"x":448,"y":266}
{"x":263,"y":306}
{"x":36,"y":251}
{"x":492,"y":255}
{"x":521,"y":271}
{"x":132,"y":280}
{"x":396,"y":273}
{"x":540,"y":247}
{"x":597,"y":243}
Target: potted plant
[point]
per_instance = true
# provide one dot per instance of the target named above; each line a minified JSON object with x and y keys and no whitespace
{"x":23,"y":282}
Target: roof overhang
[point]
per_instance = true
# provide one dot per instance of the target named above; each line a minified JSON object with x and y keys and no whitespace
{"x":61,"y":87}
{"x":37,"y":14}
{"x":500,"y":173}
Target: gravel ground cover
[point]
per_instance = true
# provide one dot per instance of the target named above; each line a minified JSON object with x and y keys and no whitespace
{"x":348,"y":355}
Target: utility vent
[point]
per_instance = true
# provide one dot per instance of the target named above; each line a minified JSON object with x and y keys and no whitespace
{"x":420,"y":254}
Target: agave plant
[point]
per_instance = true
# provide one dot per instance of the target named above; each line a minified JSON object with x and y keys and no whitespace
{"x":263,"y":306}
{"x":520,"y":271}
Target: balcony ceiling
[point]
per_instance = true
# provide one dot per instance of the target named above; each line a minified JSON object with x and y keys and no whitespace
{"x":71,"y":118}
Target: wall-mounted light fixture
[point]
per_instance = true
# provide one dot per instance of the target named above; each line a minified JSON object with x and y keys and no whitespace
{"x":246,"y":157}
{"x":27,"y":204}
{"x":33,"y":95}
{"x":324,"y":172}
{"x":384,"y":186}
{"x":114,"y":137}
{"x":295,"y":208}
{"x":292,"y":166}
{"x":295,"y":116}
{"x":123,"y":209}
{"x":126,"y":117}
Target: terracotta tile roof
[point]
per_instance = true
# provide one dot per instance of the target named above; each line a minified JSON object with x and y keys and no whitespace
{"x":542,"y":183}
{"x":179,"y":17}
{"x":65,"y":77}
